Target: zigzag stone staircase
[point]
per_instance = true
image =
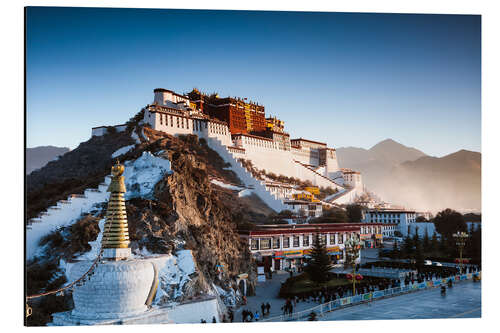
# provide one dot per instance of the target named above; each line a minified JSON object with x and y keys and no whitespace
{"x":64,"y":213}
{"x":257,"y":186}
{"x":329,"y":182}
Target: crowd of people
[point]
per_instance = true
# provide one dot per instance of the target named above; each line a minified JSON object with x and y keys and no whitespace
{"x":248,"y":316}
{"x":328,"y":294}
{"x":443,"y":273}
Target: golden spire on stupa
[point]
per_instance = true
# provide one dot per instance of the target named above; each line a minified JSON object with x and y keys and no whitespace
{"x":115,"y":240}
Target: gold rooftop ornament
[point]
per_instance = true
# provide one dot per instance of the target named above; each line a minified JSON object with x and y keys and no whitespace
{"x":115,"y":239}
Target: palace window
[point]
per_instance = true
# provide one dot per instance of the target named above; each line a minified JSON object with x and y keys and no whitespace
{"x":276,"y":243}
{"x":341,"y":238}
{"x":265,"y":243}
{"x":254,"y":243}
{"x":305,"y":240}
{"x":286,"y":242}
{"x":296,"y":242}
{"x":322,"y":239}
{"x":177,"y":121}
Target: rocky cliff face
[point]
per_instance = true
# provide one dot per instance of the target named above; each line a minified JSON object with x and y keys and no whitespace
{"x":187,"y":211}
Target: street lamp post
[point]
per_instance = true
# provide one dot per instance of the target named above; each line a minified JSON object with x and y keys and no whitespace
{"x":352,"y":249}
{"x":460,"y":238}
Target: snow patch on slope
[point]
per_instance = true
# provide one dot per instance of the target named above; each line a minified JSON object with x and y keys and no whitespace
{"x":174,"y":273}
{"x":245,"y":192}
{"x":142,"y":174}
{"x":242,"y":191}
{"x":122,"y":150}
{"x":135,"y":137}
{"x":225,"y":185}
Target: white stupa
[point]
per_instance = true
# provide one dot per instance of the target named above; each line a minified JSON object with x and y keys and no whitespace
{"x":115,"y":288}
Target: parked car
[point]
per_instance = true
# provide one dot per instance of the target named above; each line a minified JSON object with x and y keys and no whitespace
{"x":427,"y":262}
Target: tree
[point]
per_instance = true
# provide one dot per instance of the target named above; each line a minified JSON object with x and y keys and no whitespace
{"x":443,"y":246}
{"x":421,"y":219}
{"x":408,"y":246}
{"x":395,"y":250}
{"x":448,"y":222}
{"x":333,"y":215}
{"x":354,"y":213}
{"x":473,"y":248}
{"x":426,"y":242}
{"x":319,"y":264}
{"x":434,"y":244}
{"x":419,"y":256}
{"x":286,"y":214}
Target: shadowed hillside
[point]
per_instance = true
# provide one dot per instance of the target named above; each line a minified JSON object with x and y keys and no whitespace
{"x":38,"y":157}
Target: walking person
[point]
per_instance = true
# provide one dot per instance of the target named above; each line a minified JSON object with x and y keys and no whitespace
{"x":231,"y":315}
{"x":263,"y":309}
{"x":257,"y":316}
{"x":268,"y":307}
{"x":214,"y":320}
{"x":244,"y":315}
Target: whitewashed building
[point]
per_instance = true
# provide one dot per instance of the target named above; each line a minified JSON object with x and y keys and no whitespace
{"x":402,"y":218}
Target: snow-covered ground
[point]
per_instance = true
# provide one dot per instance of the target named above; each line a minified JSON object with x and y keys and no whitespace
{"x":225,"y":185}
{"x":242,"y":191}
{"x":174,"y":273}
{"x":122,"y":150}
{"x":142,"y":174}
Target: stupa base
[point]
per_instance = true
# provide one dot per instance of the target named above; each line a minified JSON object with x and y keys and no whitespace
{"x":153,"y":316}
{"x":117,"y":254}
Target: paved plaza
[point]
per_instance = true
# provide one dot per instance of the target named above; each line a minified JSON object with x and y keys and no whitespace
{"x":461,"y":301}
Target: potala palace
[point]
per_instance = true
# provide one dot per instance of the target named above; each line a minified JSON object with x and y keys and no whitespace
{"x":239,"y":131}
{"x":244,"y":137}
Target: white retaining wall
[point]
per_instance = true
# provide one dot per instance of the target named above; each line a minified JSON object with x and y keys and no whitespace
{"x":246,"y":177}
{"x":304,"y":173}
{"x":63,"y":214}
{"x":192,"y":313}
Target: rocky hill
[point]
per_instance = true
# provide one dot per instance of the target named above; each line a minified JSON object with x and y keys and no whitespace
{"x":37,"y":157}
{"x":186,"y":211}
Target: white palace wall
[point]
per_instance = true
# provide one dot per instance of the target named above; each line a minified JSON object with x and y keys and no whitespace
{"x":246,"y":177}
{"x":281,"y":162}
{"x":177,"y":125}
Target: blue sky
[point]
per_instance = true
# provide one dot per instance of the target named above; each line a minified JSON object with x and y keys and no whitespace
{"x":347,"y":79}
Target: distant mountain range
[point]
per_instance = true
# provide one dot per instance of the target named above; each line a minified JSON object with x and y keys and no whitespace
{"x":407,"y":176}
{"x":38,"y":157}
